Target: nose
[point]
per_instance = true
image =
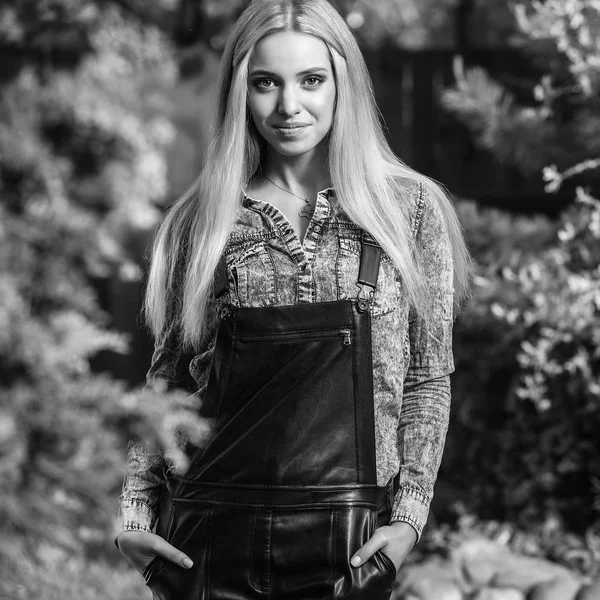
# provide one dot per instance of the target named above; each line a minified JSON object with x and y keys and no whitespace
{"x":289,"y":101}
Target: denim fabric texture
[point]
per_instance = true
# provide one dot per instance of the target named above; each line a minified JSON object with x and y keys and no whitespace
{"x":412,"y":359}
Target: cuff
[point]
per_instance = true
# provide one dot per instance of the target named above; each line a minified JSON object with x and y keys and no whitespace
{"x":134,"y":515}
{"x":411,"y":505}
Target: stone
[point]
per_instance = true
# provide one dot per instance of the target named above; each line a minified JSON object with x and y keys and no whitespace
{"x":479,"y":560}
{"x":485,"y":563}
{"x":499,"y":594}
{"x":562,"y":588}
{"x":433,"y":579}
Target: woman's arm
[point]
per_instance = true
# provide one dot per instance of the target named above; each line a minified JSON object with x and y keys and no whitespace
{"x":426,"y":393}
{"x":426,"y":403}
{"x":143,"y":481}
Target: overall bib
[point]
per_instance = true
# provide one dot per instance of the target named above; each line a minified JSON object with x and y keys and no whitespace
{"x":285,"y":491}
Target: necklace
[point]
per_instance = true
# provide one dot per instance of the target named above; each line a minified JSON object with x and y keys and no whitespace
{"x":307,"y":211}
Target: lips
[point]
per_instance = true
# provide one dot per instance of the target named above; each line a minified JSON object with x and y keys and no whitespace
{"x":291,"y":125}
{"x":291,"y":129}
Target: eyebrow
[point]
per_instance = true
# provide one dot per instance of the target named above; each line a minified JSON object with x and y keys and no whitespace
{"x":265,"y":73}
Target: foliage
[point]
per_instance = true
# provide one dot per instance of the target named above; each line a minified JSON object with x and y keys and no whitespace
{"x":407,"y":23}
{"x":523,"y":438}
{"x":528,"y":345}
{"x":84,"y":131}
{"x":60,"y":575}
{"x":573,"y":26}
{"x":560,"y":124}
{"x":518,"y":136}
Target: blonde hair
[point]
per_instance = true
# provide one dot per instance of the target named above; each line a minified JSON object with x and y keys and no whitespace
{"x":369,"y":180}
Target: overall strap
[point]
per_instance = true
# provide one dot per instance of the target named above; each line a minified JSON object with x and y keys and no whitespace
{"x":370,"y":256}
{"x":221,"y":284}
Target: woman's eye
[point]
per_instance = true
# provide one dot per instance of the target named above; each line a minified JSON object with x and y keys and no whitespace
{"x":313,"y":81}
{"x":264,"y":84}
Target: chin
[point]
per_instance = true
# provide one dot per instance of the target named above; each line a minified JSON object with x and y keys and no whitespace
{"x":294,"y":148}
{"x":293,"y":151}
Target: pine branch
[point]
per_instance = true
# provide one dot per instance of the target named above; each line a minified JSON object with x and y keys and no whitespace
{"x":554,"y":179}
{"x":523,"y":137}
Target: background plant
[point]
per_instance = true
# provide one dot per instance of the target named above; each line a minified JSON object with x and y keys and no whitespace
{"x":528,"y":404}
{"x":84,"y":130}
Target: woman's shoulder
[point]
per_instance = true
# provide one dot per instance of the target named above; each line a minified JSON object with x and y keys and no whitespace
{"x":413,"y":195}
{"x":415,"y":198}
{"x":428,"y":206}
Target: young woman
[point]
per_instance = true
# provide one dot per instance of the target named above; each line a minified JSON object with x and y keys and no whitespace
{"x":304,"y":290}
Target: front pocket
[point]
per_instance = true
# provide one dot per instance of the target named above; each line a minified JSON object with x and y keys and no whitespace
{"x":388,"y":563}
{"x":289,"y":337}
{"x":152,"y":567}
{"x":189,"y":533}
{"x":302,"y":552}
{"x":374,"y":578}
{"x":251,"y":274}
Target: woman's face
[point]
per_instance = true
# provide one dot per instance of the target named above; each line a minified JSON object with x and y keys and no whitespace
{"x":292,"y":92}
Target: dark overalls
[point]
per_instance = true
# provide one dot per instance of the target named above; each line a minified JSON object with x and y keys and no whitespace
{"x":285,"y":491}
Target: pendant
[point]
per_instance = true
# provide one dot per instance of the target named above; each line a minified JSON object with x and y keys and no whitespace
{"x":308,"y":211}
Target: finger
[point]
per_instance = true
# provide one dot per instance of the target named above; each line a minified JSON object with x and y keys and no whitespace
{"x":136,"y":543}
{"x":163,"y":548}
{"x":365,"y":552}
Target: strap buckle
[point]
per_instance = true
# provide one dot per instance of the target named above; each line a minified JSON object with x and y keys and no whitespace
{"x":370,"y":257}
{"x":363,"y":303}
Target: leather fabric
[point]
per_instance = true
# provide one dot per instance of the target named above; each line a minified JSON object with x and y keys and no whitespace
{"x":283,"y":494}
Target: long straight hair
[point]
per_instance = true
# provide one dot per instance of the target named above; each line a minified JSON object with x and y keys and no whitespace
{"x":369,"y":180}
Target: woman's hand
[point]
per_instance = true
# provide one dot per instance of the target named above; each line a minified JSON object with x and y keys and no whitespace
{"x":395,"y":540}
{"x":140,"y":547}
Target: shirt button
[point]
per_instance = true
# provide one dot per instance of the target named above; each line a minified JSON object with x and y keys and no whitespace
{"x":317,"y":229}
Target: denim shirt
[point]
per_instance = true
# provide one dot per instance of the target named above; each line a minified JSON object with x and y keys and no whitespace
{"x":412,"y":360}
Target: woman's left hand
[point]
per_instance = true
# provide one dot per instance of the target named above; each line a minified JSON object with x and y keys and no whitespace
{"x":395,"y":540}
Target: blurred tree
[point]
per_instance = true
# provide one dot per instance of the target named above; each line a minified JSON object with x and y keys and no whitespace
{"x":84,"y":130}
{"x":559,"y":122}
{"x":492,"y":24}
{"x":530,"y":428}
{"x":412,"y":24}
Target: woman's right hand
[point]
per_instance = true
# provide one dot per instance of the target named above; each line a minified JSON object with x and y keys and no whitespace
{"x":141,"y":547}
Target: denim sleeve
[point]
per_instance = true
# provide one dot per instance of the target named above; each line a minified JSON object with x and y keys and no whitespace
{"x":170,"y":369}
{"x":426,"y":404}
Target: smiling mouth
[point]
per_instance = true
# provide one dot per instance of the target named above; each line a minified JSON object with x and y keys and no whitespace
{"x":287,"y":130}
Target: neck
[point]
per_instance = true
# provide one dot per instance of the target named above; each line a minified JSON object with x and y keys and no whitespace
{"x":305,"y":175}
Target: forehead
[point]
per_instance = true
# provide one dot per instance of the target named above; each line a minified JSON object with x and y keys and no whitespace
{"x":289,"y":52}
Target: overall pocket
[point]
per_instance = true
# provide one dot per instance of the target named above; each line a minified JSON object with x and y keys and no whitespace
{"x":375,"y":578}
{"x":301,"y":548}
{"x":189,"y":528}
{"x":163,"y":529}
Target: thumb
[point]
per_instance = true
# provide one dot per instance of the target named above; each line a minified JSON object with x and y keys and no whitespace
{"x":166,"y":550}
{"x":365,"y":552}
